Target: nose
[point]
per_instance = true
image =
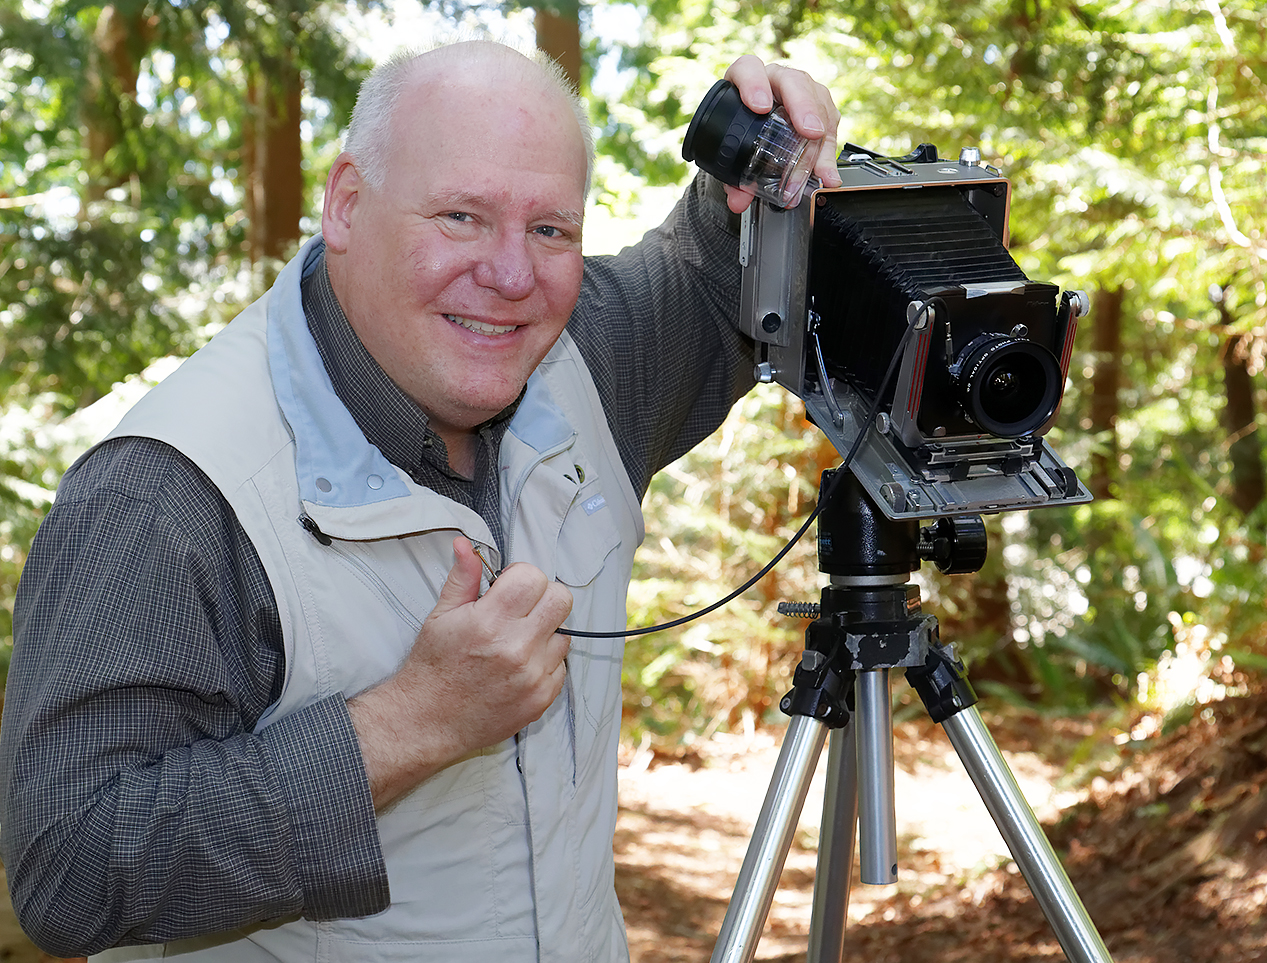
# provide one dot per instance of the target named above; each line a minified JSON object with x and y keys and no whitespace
{"x":507,"y":267}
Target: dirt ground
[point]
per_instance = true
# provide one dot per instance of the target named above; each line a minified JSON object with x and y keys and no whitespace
{"x":1165,"y":841}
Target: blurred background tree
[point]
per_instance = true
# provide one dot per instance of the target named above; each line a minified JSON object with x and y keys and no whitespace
{"x":152,"y":176}
{"x":1135,"y":135}
{"x":159,"y":158}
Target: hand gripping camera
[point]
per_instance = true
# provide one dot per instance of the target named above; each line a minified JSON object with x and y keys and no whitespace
{"x":895,"y":294}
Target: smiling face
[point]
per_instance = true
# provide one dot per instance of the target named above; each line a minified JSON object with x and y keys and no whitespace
{"x":460,"y":272}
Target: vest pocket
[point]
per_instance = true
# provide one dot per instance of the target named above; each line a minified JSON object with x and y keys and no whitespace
{"x":587,"y":536}
{"x":458,"y":857}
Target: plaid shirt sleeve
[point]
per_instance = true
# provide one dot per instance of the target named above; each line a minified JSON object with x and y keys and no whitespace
{"x":656,"y":325}
{"x":138,"y":804}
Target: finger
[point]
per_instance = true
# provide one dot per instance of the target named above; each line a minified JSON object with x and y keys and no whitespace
{"x":558,"y":677}
{"x":517,"y":592}
{"x":748,"y":74}
{"x":808,"y":104}
{"x":825,"y":163}
{"x":814,"y":114}
{"x":737,"y":199}
{"x":551,"y":612}
{"x":463,"y":583}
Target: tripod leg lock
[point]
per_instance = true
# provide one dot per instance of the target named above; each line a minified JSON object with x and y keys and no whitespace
{"x":942,"y":682}
{"x":819,"y":691}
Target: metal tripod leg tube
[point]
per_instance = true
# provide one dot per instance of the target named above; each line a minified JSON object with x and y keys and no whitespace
{"x":1025,"y":838}
{"x":771,"y":840}
{"x":877,"y":819}
{"x":836,"y":835}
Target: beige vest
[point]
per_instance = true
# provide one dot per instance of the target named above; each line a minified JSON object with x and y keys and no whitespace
{"x":506,"y":855}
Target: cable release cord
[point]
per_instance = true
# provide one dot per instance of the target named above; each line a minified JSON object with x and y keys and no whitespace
{"x":796,"y":537}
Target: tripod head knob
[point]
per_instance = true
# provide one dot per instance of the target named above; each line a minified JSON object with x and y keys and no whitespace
{"x":800,"y":610}
{"x":957,"y":546}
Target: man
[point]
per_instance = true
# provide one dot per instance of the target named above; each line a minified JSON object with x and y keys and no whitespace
{"x":274,"y":695}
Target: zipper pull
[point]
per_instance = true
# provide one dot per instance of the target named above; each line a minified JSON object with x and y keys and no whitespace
{"x":310,"y":526}
{"x":488,"y":569}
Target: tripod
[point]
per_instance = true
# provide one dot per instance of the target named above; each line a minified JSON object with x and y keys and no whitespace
{"x":868,"y":623}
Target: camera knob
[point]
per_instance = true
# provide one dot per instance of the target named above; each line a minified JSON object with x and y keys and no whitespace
{"x":955,"y":545}
{"x":763,"y":373}
{"x":970,"y":156}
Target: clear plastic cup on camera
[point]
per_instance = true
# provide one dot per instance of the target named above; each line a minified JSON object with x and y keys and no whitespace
{"x":781,"y":162}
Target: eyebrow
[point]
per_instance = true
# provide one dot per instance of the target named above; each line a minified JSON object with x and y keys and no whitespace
{"x":472,"y":199}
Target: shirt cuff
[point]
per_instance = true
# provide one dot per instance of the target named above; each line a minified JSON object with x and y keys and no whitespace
{"x":336,"y":848}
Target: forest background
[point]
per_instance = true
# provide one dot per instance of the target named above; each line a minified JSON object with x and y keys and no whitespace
{"x":159,"y":160}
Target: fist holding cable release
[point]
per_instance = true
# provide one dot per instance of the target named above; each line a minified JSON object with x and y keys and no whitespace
{"x":482,"y":668}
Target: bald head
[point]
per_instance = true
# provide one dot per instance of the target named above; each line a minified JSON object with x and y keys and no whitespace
{"x":500,"y":69}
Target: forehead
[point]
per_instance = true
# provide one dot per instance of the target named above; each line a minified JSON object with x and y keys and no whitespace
{"x":487,"y":112}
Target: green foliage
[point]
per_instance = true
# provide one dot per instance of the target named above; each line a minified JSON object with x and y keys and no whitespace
{"x":122,"y":231}
{"x":1134,"y":134}
{"x":1135,"y":137}
{"x":714,"y":519}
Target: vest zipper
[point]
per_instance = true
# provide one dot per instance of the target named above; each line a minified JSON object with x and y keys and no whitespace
{"x":364,"y":570}
{"x":310,"y":526}
{"x":390,"y":597}
{"x":519,"y":488}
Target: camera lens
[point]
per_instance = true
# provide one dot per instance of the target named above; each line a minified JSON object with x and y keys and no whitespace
{"x":758,"y":152}
{"x":1008,"y":387}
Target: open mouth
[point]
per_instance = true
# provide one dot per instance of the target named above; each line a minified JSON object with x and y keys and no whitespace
{"x":479,"y":327}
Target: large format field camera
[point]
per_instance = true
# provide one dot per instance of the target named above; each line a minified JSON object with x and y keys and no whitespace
{"x":904,"y":270}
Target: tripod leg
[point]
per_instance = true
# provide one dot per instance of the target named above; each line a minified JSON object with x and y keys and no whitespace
{"x":771,"y":840}
{"x":877,"y":821}
{"x":835,"y":849}
{"x":1024,"y":837}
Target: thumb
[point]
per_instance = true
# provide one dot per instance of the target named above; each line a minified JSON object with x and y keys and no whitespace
{"x":462,"y":587}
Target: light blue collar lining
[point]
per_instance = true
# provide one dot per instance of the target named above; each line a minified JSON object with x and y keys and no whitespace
{"x":334,"y":463}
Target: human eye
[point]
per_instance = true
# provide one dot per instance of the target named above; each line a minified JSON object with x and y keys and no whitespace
{"x":557,"y":234}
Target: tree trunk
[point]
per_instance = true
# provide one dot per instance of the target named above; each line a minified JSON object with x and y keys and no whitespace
{"x":558,"y":29}
{"x":118,"y":43}
{"x":1240,"y":418}
{"x":273,"y":155}
{"x":1106,"y":336}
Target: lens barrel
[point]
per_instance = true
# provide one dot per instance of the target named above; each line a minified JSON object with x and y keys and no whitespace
{"x":1009,"y":387}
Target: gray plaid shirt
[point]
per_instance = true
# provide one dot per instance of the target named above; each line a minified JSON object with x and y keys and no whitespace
{"x":139,"y":804}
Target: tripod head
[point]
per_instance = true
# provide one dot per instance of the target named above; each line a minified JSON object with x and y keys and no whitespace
{"x":856,"y":539}
{"x":869,"y":622}
{"x":869,"y":617}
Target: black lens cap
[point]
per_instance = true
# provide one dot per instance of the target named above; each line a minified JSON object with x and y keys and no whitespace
{"x":722,"y":134}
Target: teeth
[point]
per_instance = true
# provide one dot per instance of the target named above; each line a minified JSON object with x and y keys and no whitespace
{"x":479,"y":327}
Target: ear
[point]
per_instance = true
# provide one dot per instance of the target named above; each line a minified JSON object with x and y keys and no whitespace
{"x":343,"y":188}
